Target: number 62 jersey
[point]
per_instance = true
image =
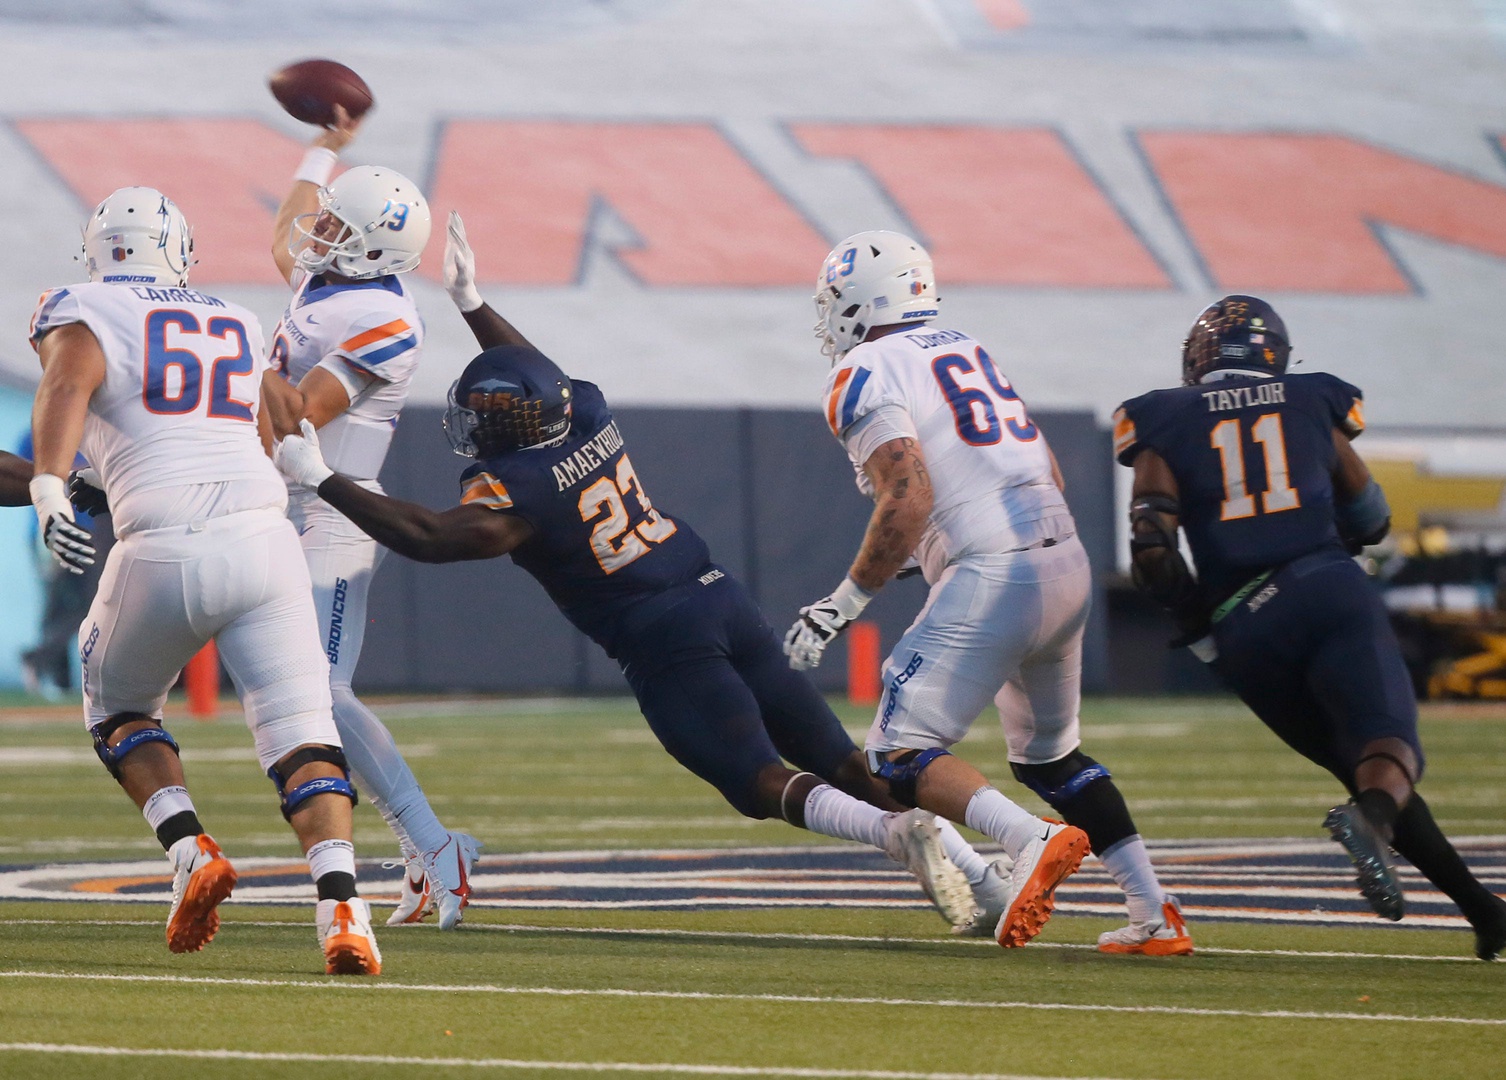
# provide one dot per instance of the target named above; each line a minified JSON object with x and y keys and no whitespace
{"x":172,"y":429}
{"x":1252,"y":458}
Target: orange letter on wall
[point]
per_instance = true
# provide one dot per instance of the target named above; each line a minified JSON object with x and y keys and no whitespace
{"x":1298,"y":212}
{"x":997,"y":207}
{"x":529,"y":191}
{"x":227,"y":176}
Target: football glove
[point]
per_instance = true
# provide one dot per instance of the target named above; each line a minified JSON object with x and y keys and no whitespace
{"x":298,"y":458}
{"x":70,"y":545}
{"x":821,"y":622}
{"x":87,"y":492}
{"x":460,"y":266}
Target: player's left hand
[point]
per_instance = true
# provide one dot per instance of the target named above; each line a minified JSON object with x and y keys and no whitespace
{"x":87,"y":492}
{"x":70,"y":545}
{"x":821,"y":622}
{"x":460,"y":266}
{"x":298,"y":458}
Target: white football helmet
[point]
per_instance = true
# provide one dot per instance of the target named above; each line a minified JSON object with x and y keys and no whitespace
{"x":371,"y":222}
{"x":874,"y":278}
{"x":138,"y":234}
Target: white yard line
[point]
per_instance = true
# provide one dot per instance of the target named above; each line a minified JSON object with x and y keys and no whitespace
{"x":755,"y":936}
{"x":513,"y":1063}
{"x":787,"y":999}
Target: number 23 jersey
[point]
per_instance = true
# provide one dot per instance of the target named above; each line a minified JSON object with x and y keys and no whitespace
{"x":598,"y":546}
{"x":990,"y":470}
{"x":172,"y":429}
{"x":1253,"y":459}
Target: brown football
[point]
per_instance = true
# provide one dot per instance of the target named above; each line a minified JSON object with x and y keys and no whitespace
{"x":310,"y":89}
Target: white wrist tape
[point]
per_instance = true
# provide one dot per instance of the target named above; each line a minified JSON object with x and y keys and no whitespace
{"x":317,"y":165}
{"x":48,"y":490}
{"x":850,"y":599}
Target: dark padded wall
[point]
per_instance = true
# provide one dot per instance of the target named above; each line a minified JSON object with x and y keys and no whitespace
{"x":769,"y":490}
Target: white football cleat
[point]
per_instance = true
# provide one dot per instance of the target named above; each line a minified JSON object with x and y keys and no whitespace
{"x":449,"y":874}
{"x":416,"y":900}
{"x":1044,"y":863}
{"x":1164,"y":936}
{"x":913,"y":840}
{"x":991,"y":897}
{"x":202,"y":878}
{"x":350,"y":947}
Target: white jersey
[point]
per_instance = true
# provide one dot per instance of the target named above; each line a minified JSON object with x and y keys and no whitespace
{"x":172,"y":429}
{"x":989,"y":466}
{"x":368,"y":335}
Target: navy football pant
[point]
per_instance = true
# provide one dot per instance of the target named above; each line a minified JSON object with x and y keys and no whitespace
{"x":1312,"y":653}
{"x":718,"y":693}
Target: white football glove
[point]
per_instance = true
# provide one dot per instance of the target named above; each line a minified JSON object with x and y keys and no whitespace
{"x":298,"y":458}
{"x":460,"y":266}
{"x":70,"y":545}
{"x":821,"y":622}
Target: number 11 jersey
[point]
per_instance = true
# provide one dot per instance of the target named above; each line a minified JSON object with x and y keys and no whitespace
{"x":1252,"y":458}
{"x":172,"y":429}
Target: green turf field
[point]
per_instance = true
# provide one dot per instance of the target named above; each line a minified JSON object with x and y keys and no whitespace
{"x":792,"y":991}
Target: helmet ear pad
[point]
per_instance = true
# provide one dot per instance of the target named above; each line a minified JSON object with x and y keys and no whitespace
{"x":1237,"y":332}
{"x":508,"y":398}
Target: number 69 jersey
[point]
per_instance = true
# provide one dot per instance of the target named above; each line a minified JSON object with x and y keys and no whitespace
{"x":599,"y":546}
{"x":172,"y":429}
{"x":1253,"y":459}
{"x":990,"y":469}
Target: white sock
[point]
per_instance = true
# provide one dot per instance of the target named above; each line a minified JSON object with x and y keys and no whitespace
{"x":164,"y":803}
{"x":374,"y":756}
{"x":835,"y":813}
{"x":973,"y":865}
{"x":331,"y":856}
{"x":1129,"y":863}
{"x":1004,"y":821}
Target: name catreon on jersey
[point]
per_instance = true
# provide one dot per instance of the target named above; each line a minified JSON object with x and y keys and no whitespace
{"x":1253,"y":459}
{"x":603,"y":551}
{"x":367,"y":334}
{"x":167,"y":438}
{"x":990,"y":469}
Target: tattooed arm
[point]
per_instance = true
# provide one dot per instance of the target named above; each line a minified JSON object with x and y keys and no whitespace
{"x":902,"y":498}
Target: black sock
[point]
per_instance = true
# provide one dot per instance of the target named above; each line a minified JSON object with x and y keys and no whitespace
{"x":1379,"y":809}
{"x":1420,"y":841}
{"x":336,"y":885}
{"x":177,"y":827}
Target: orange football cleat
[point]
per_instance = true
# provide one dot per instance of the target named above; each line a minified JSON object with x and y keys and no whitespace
{"x":1166,"y":936}
{"x":350,"y":947}
{"x":202,"y":879}
{"x":1045,"y":862}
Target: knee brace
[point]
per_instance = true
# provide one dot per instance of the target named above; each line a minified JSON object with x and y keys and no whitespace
{"x":903,"y":773}
{"x":1061,"y":780}
{"x":322,"y":785}
{"x":111,"y":756}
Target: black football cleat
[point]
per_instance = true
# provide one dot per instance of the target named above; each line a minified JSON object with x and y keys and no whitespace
{"x":1490,"y":932}
{"x":1371,"y":856}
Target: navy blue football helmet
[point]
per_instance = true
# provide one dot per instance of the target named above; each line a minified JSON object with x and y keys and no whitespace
{"x":1241,"y":332}
{"x":508,"y":398}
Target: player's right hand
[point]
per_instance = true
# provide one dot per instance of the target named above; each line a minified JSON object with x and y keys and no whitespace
{"x":460,"y":266}
{"x":70,"y":545}
{"x":338,"y":136}
{"x":87,"y":492}
{"x":298,"y":458}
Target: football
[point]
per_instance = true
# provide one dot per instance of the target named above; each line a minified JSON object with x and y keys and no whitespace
{"x":310,"y":89}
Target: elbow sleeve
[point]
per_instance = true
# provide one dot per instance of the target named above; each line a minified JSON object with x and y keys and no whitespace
{"x":1366,"y":518}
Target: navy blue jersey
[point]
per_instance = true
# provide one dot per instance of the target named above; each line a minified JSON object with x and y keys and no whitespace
{"x":1253,"y":460}
{"x":598,"y":545}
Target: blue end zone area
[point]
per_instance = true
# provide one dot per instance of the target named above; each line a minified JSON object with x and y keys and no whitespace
{"x":1292,"y":881}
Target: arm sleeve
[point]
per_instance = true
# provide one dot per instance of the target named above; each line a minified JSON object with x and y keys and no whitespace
{"x":874,"y":429}
{"x":379,"y":343}
{"x":57,"y":307}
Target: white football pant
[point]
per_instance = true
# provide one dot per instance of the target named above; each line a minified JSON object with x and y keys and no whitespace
{"x":1006,"y":628}
{"x":238,"y":579}
{"x":341,"y":561}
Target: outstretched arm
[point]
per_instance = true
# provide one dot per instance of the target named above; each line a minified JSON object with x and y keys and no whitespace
{"x":489,"y":328}
{"x":313,"y":173}
{"x":435,"y":536}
